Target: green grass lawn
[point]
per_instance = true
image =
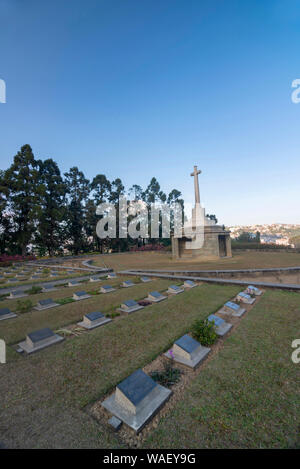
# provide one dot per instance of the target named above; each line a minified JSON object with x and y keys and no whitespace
{"x":248,"y":396}
{"x":14,"y":330}
{"x":43,"y":395}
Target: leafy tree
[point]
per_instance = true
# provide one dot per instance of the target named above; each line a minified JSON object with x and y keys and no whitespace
{"x":52,"y":197}
{"x":22,"y":179}
{"x":77,"y":189}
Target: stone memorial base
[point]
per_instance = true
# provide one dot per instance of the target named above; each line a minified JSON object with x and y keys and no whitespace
{"x":136,"y":400}
{"x":191,"y":362}
{"x":25,"y":346}
{"x":131,"y":309}
{"x":93,"y":324}
{"x":46,"y":306}
{"x":9,"y":315}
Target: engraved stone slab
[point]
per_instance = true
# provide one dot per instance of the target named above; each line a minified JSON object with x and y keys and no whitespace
{"x":221,"y":326}
{"x":16,"y":294}
{"x":12,"y":280}
{"x":5,"y":313}
{"x":174,"y":289}
{"x":130,"y":306}
{"x":48,"y":287}
{"x":232,"y":308}
{"x":94,"y":279}
{"x":245,"y":298}
{"x":80,"y":295}
{"x":94,"y":319}
{"x":127,"y":283}
{"x":33,"y":277}
{"x":136,"y":400}
{"x":106,"y":289}
{"x":73,"y":283}
{"x":189,"y":284}
{"x":155,"y":296}
{"x":45,"y":304}
{"x":188,"y":351}
{"x":111,"y":275}
{"x":145,"y":279}
{"x":251,"y":290}
{"x":40,"y":339}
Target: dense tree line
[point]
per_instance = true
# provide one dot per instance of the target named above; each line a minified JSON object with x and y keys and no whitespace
{"x":49,"y":211}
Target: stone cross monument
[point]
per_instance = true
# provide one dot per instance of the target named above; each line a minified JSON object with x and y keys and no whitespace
{"x":196,"y":184}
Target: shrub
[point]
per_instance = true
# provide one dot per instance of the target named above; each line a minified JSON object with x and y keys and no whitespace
{"x":23,"y":306}
{"x":65,"y":301}
{"x":204,"y":332}
{"x":34,"y":290}
{"x":168,"y":377}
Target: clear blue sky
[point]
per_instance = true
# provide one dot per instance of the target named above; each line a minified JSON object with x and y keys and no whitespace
{"x":142,"y":88}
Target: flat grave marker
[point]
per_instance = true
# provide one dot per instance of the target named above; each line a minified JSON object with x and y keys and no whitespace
{"x":127,"y":284}
{"x":94,"y":278}
{"x":189,"y":284}
{"x":73,"y":283}
{"x":5,"y":313}
{"x":251,"y":290}
{"x":233,"y":308}
{"x":221,"y":326}
{"x":155,"y":297}
{"x":136,"y":400}
{"x":45,"y":304}
{"x":111,"y":275}
{"x":188,"y":351}
{"x":130,"y":306}
{"x":146,"y":279}
{"x":39,"y":339}
{"x":175,"y":290}
{"x":94,"y":319}
{"x":49,"y":287}
{"x":80,"y":295}
{"x":245,"y":298}
{"x":16,"y":294}
{"x":106,"y":289}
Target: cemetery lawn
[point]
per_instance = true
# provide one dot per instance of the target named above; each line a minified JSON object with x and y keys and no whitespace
{"x":45,"y":397}
{"x":164,"y":261}
{"x":248,"y":395}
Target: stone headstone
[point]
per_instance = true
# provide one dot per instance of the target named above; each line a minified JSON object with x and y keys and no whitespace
{"x":94,"y":279}
{"x":245,"y":298}
{"x":136,"y":400}
{"x":111,"y":275}
{"x":174,"y":289}
{"x":233,"y":308}
{"x":39,"y":339}
{"x":221,"y":326}
{"x":16,"y":294}
{"x":45,"y":304}
{"x":251,"y":290}
{"x":145,"y":279}
{"x":94,"y":319}
{"x":73,"y":283}
{"x":34,"y":277}
{"x":189,"y":284}
{"x":49,"y":287}
{"x":188,"y":351}
{"x":80,"y":295}
{"x":5,"y":313}
{"x":155,"y":296}
{"x":127,"y":283}
{"x":106,"y":289}
{"x":130,"y":306}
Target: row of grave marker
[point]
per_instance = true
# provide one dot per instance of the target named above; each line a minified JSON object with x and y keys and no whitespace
{"x":139,"y":397}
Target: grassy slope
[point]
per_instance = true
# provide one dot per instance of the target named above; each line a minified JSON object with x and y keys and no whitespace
{"x":42,"y":394}
{"x":248,"y":395}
